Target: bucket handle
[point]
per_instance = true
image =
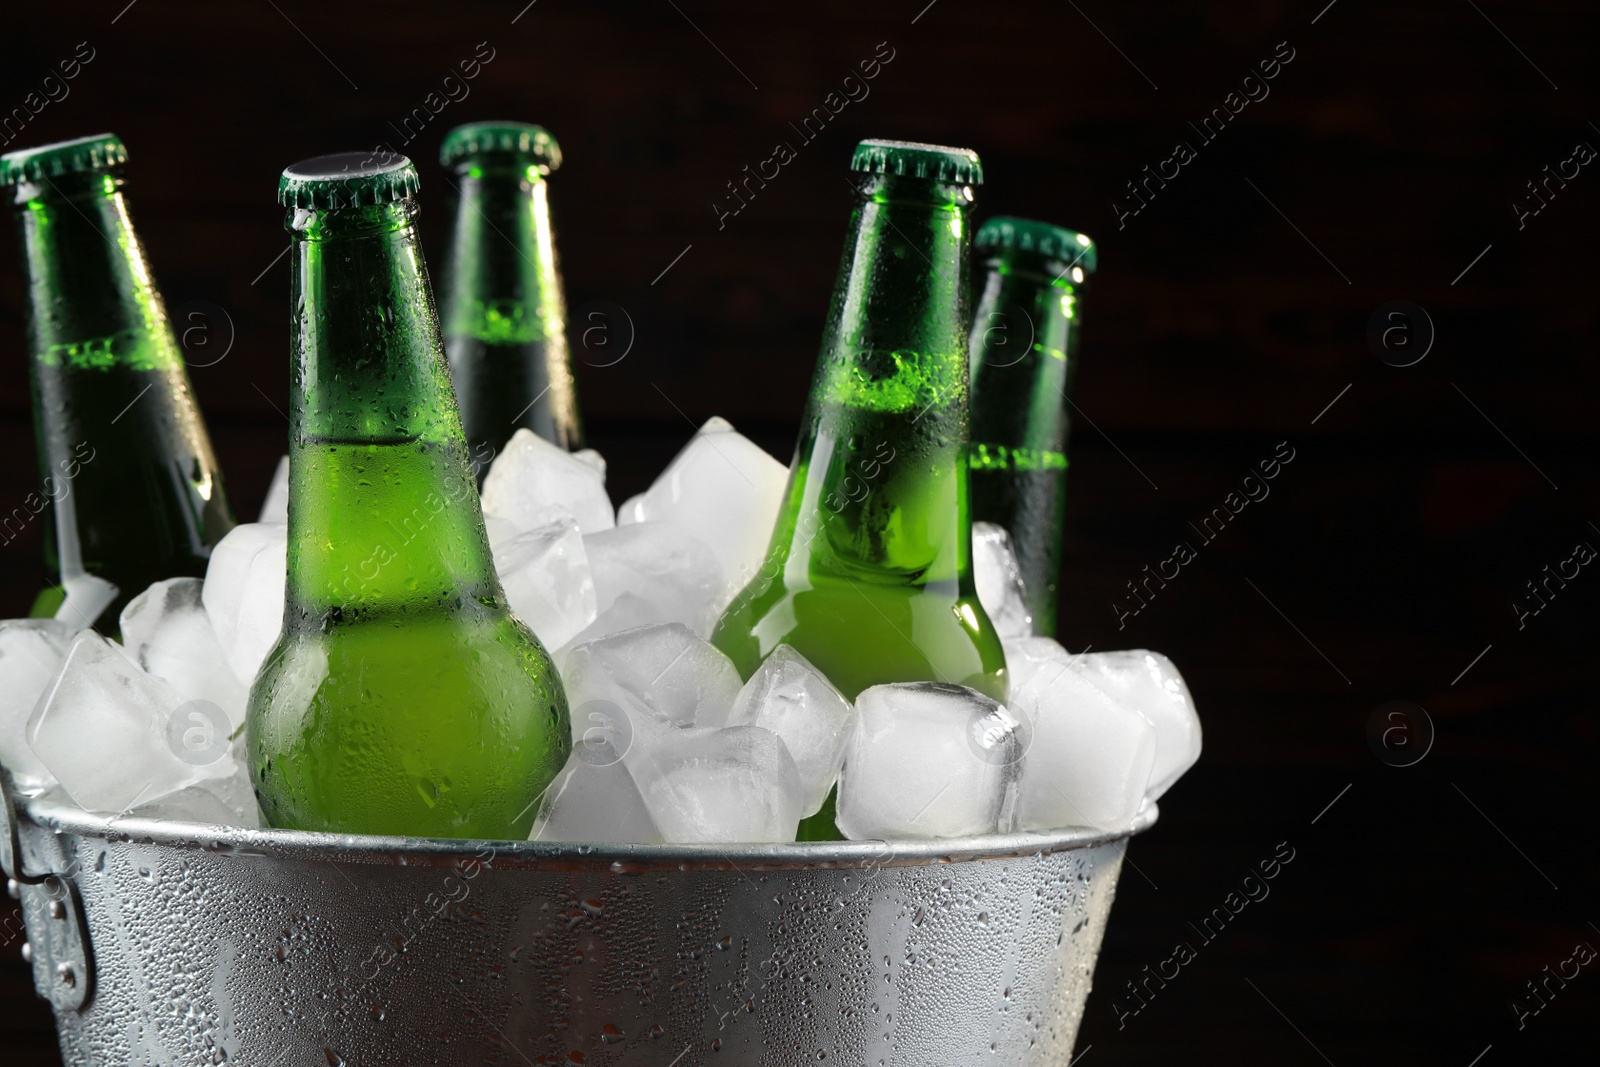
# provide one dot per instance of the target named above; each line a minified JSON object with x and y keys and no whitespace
{"x":52,"y":911}
{"x":10,"y":836}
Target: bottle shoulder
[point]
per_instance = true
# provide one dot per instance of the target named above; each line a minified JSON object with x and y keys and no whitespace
{"x":861,"y":633}
{"x":473,"y":653}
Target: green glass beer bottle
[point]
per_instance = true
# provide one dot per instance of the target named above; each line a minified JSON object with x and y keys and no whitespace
{"x":869,"y":573}
{"x":403,"y":696}
{"x":126,"y":468}
{"x":1024,"y":350}
{"x":503,"y":309}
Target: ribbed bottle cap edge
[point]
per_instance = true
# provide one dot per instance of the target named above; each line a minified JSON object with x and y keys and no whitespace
{"x":520,"y":138}
{"x":346,"y":180}
{"x":1043,"y":238}
{"x":101,"y":151}
{"x":913,"y":159}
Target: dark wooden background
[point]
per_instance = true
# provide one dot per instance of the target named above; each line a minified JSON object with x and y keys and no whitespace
{"x":1227,"y":317}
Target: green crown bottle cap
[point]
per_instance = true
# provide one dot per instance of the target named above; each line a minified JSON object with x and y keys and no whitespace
{"x":521,"y":139}
{"x":348,"y":179}
{"x":100,"y":152}
{"x":909,"y":159}
{"x":1030,"y":235}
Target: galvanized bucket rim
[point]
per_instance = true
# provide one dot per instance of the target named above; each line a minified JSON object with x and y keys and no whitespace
{"x":67,"y":818}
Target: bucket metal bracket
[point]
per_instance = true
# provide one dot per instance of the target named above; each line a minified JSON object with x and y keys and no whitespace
{"x":52,"y":911}
{"x":58,"y":943}
{"x":10,"y":839}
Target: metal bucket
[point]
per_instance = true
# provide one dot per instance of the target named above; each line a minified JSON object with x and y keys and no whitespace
{"x":164,"y":944}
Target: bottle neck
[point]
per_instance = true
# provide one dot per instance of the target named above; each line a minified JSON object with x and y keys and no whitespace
{"x":895,"y":339}
{"x":1042,"y":292}
{"x":383,"y":508}
{"x":368,"y":365}
{"x":91,"y":301}
{"x":123,"y":454}
{"x":880,"y":484}
{"x":1024,"y":343}
{"x":503,"y":284}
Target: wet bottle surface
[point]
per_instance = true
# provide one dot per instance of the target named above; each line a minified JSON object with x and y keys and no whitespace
{"x":130,"y":491}
{"x":403,"y":697}
{"x":1024,"y":350}
{"x":502,"y":303}
{"x":869,"y":572}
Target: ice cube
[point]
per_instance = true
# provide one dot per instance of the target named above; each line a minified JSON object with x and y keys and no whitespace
{"x":1149,"y":683}
{"x":631,"y":510}
{"x":928,"y":759}
{"x":31,"y":651}
{"x":594,"y":799}
{"x":1000,"y":587}
{"x":594,"y":459}
{"x":87,"y":595}
{"x":530,"y":474}
{"x":115,"y":737}
{"x":501,"y":532}
{"x":243,"y":593}
{"x":275,"y":508}
{"x":721,"y":489}
{"x":658,"y":562}
{"x":627,"y":612}
{"x":545,"y":572}
{"x":1091,"y":754}
{"x":790,"y":697}
{"x":229,"y":801}
{"x":166,"y":630}
{"x":666,"y":669}
{"x":708,"y":785}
